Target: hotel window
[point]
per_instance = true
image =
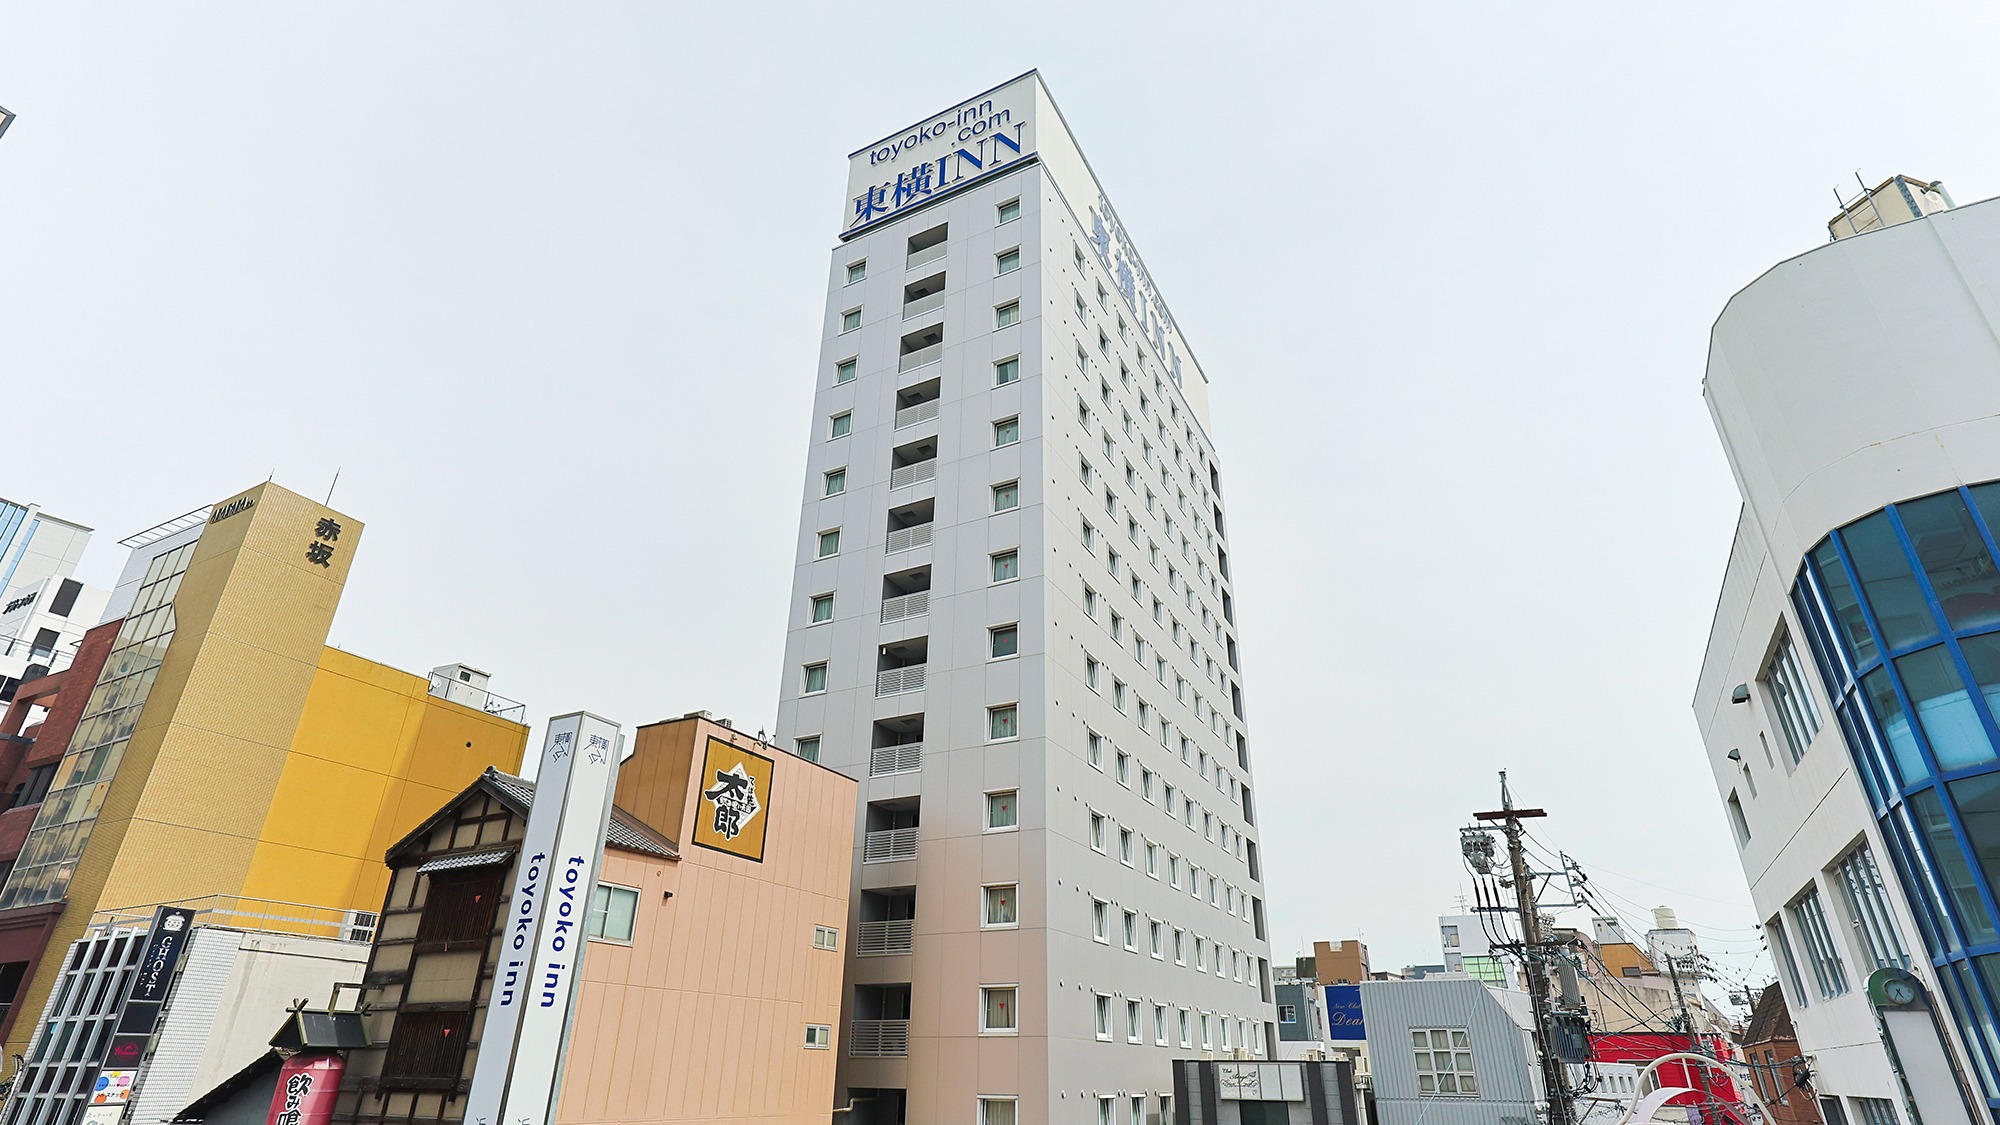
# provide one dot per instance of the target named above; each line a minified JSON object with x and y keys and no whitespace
{"x":809,"y":748}
{"x":1006,"y":566}
{"x":1868,"y":903}
{"x":1875,"y":1111}
{"x":1124,"y":771}
{"x":613,"y":913}
{"x":1084,"y":472}
{"x":1131,"y":932}
{"x":1089,"y":601}
{"x":1135,"y":1032}
{"x":1781,"y":948}
{"x":819,"y":1036}
{"x":856,"y":271}
{"x":1006,"y":431}
{"x":998,"y":1111}
{"x":1104,"y":1033}
{"x":1207,"y":1041}
{"x":815,"y":678}
{"x":1004,"y":315}
{"x":1003,"y":641}
{"x":1096,"y":742}
{"x":996,"y":1010}
{"x":1125,"y":846}
{"x":1180,"y":947}
{"x":1089,"y":536}
{"x":1785,"y":681}
{"x":829,"y":543}
{"x":998,"y":906}
{"x":839,"y":425}
{"x":1007,"y":261}
{"x":1082,"y":311}
{"x":836,"y":482}
{"x":826,"y":937}
{"x":1160,"y":1032}
{"x":843,"y":372}
{"x":822,"y":608}
{"x":1201,"y":955}
{"x":850,"y":320}
{"x":1090,"y":672}
{"x":1006,"y":371}
{"x":1006,"y":496}
{"x":1146,"y":784}
{"x":1000,"y":812}
{"x":1287,"y":1014}
{"x":1737,"y":820}
{"x":1008,"y":212}
{"x":1097,"y":832}
{"x":1153,"y":859}
{"x":1002,"y":723}
{"x":1444,"y":1061}
{"x":1118,"y":695}
{"x":1809,"y":915}
{"x":1185,"y":1041}
{"x":1100,"y":920}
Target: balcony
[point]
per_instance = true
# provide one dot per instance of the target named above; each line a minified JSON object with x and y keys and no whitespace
{"x":904,"y":476}
{"x":896,"y":681}
{"x":910,"y":538}
{"x":887,"y":938}
{"x":908,"y":605}
{"x":921,"y":305}
{"x":925,"y":345}
{"x":889,"y":844}
{"x":910,"y":361}
{"x":921,"y":412}
{"x":878,"y":1039}
{"x":886,"y":761}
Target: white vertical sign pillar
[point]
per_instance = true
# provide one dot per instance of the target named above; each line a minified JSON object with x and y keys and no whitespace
{"x":518,"y":1072}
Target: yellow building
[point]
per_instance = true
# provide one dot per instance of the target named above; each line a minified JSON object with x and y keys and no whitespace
{"x":225,"y":753}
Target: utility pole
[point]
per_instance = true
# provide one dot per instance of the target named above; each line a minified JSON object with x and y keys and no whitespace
{"x":1674,"y":963}
{"x":1534,"y":952}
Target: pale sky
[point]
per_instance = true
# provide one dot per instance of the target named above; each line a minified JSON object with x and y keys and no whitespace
{"x":544,"y":284}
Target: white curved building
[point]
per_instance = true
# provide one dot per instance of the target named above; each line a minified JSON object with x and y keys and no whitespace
{"x":1851,"y":684}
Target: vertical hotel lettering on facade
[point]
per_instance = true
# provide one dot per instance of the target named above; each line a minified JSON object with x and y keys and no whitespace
{"x":1013,"y":622}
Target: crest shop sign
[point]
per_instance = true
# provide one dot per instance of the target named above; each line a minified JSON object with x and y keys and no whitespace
{"x":734,"y":813}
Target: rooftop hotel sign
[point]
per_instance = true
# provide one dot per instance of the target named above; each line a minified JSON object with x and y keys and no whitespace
{"x":986,"y":134}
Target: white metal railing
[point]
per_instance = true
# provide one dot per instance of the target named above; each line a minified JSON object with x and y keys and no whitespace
{"x":924,"y":257}
{"x":905,"y":758}
{"x":906,"y":605}
{"x":908,"y":475}
{"x":914,"y":309}
{"x":921,"y":412}
{"x":920,"y":357}
{"x":262,"y":915}
{"x":896,"y":681}
{"x":907,"y":538}
{"x":888,"y":844}
{"x":878,"y":1039}
{"x":883,"y":939}
{"x":477,"y":698}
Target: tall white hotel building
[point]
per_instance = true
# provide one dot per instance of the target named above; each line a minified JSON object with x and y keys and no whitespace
{"x":1012,"y":620}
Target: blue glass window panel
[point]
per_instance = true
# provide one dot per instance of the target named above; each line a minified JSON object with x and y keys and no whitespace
{"x":1900,"y":610}
{"x":1978,"y":800}
{"x":1849,"y":626}
{"x":1919,"y":886}
{"x":1975,"y":1021}
{"x":1954,"y":865}
{"x":1867,"y":756}
{"x":1944,"y":707}
{"x":1954,"y":557}
{"x":1895,"y":726}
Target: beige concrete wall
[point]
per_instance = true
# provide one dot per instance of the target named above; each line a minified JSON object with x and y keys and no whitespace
{"x":702,"y":1017}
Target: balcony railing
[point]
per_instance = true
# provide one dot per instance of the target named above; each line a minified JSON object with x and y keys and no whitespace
{"x":885,"y":939}
{"x":889,"y":844}
{"x":921,"y":412}
{"x":926,"y":256}
{"x":906,"y":475}
{"x":886,"y":760}
{"x":896,"y":681}
{"x":909,"y":538}
{"x":914,"y":309}
{"x":912,"y":360}
{"x":879,"y":1039}
{"x":478,"y":698}
{"x":906,"y":606}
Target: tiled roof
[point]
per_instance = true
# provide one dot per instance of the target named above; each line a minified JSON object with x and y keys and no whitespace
{"x":1771,"y":1020}
{"x":625,"y":831}
{"x":469,"y":859}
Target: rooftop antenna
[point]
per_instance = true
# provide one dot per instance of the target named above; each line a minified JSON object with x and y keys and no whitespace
{"x":330,"y":487}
